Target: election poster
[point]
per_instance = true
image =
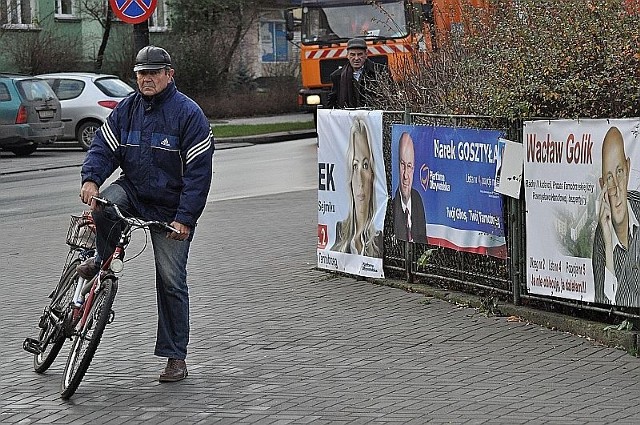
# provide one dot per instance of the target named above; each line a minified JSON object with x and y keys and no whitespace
{"x":450,"y":173}
{"x":582,"y":192}
{"x":352,"y":192}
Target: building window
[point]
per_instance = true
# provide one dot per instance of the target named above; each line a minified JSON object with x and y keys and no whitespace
{"x":273,"y":40}
{"x":64,"y":9}
{"x":159,"y":21}
{"x":17,"y":13}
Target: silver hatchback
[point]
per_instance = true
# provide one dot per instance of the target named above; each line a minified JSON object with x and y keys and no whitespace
{"x":87,"y":99}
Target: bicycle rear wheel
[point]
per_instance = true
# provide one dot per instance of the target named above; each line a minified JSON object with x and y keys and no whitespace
{"x":87,"y":338}
{"x":51,"y":322}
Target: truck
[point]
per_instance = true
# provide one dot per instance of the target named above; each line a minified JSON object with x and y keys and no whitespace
{"x":393,"y":30}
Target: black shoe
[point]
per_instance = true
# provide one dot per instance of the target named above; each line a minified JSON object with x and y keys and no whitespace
{"x":176,"y":370}
{"x":88,"y":269}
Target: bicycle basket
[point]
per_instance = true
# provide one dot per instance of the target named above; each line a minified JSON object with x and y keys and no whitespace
{"x":82,"y":231}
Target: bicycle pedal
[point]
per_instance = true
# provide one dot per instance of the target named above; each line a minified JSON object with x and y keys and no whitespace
{"x":32,"y":345}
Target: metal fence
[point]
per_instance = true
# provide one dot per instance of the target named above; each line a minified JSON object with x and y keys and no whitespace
{"x":468,"y":271}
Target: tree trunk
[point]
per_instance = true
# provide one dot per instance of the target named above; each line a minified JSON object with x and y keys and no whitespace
{"x":105,"y":40}
{"x":242,"y":26}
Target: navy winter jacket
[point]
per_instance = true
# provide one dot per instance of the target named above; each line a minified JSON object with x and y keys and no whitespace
{"x":164,"y":148}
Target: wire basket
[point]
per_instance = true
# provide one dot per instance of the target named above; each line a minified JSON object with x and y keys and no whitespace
{"x":82,"y":232}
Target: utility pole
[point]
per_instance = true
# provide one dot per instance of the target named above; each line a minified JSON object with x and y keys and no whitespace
{"x":140,"y":35}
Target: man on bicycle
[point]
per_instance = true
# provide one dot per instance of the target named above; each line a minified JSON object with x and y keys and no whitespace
{"x":163,"y":144}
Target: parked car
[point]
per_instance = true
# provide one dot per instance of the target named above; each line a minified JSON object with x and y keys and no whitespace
{"x":29,"y":114}
{"x":87,"y":99}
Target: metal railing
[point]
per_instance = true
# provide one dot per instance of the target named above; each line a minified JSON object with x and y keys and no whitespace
{"x":469,"y":271}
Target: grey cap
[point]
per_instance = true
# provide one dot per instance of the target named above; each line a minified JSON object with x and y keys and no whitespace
{"x":152,"y":57}
{"x":357,"y":43}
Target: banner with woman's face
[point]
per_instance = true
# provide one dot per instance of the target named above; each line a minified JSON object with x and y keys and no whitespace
{"x":352,"y":192}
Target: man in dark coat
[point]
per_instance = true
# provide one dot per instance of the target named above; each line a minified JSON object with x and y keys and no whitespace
{"x":409,"y":220}
{"x":356,"y":84}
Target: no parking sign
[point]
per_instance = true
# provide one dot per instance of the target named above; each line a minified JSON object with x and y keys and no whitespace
{"x":133,"y":11}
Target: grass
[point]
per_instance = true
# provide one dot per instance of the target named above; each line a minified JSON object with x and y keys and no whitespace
{"x":239,"y":130}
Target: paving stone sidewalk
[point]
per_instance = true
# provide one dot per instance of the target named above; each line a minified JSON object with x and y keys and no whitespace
{"x":275,"y":341}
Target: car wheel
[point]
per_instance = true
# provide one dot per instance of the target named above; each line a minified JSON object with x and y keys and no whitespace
{"x":85,"y":133}
{"x":24,"y":150}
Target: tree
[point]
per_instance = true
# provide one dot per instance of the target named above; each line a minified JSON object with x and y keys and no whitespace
{"x":101,"y":12}
{"x":206,"y":35}
{"x":525,"y":58}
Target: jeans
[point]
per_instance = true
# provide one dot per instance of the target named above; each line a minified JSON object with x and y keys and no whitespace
{"x":171,"y":273}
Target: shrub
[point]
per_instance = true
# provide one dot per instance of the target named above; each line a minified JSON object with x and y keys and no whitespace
{"x":40,"y":52}
{"x":520,"y":58}
{"x":276,"y":96}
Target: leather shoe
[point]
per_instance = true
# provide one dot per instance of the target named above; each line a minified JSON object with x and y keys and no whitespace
{"x":176,"y":370}
{"x":88,"y":269}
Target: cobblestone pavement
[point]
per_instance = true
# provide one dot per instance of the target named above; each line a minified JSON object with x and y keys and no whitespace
{"x":275,"y":341}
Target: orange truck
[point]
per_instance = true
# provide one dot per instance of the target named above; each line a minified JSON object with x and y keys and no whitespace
{"x":393,"y":29}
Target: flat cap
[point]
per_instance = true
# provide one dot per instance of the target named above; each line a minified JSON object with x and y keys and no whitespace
{"x":152,"y":57}
{"x":357,"y":43}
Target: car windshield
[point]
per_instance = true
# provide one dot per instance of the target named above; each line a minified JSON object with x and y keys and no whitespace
{"x":35,"y":90}
{"x":336,"y":23}
{"x":114,"y":87}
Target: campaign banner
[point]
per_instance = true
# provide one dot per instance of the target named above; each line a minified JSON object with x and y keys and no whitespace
{"x":582,"y":195}
{"x":352,"y":192}
{"x":452,"y":177}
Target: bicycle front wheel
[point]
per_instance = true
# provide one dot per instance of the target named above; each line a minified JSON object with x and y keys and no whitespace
{"x":87,"y":338}
{"x":51,"y":322}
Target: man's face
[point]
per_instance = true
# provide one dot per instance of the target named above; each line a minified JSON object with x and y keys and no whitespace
{"x":407,"y":166}
{"x":356,"y":58}
{"x":615,"y":177}
{"x":153,"y":81}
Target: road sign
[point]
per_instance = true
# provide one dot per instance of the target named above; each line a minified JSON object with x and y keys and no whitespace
{"x":133,"y":11}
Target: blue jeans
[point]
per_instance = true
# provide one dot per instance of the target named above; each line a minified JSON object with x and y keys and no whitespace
{"x":171,"y":273}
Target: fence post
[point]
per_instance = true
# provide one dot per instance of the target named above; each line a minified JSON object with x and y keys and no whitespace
{"x":517,"y":239}
{"x":514,"y":213}
{"x":408,"y":246}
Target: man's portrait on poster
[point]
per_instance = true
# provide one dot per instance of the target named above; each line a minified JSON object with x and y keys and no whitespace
{"x":616,"y":244}
{"x":409,"y":222}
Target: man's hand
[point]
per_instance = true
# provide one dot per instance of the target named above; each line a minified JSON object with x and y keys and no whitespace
{"x":88,"y":190}
{"x":604,"y":218}
{"x":185,"y":231}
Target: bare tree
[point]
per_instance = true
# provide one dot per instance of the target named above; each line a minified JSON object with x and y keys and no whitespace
{"x":99,"y":11}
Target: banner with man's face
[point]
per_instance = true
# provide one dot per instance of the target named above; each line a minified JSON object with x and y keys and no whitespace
{"x":582,"y":191}
{"x":352,"y":192}
{"x":443,"y":188}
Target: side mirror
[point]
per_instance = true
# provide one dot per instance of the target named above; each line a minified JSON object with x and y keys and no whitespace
{"x":289,"y":24}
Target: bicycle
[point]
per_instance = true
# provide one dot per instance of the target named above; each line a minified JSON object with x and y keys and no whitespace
{"x":83,"y":313}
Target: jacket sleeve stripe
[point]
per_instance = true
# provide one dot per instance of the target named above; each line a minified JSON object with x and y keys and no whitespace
{"x":109,"y":137}
{"x":199,"y":148}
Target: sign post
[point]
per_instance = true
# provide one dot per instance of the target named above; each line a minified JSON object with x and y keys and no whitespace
{"x":136,"y":12}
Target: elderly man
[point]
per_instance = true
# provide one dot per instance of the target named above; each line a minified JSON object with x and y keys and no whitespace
{"x":356,"y":84}
{"x":161,"y":140}
{"x":409,"y":221}
{"x":616,"y":245}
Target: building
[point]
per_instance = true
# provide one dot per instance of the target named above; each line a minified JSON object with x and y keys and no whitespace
{"x":41,"y":35}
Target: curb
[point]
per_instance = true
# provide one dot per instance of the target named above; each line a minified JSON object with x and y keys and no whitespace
{"x":592,"y":331}
{"x":268,"y":138}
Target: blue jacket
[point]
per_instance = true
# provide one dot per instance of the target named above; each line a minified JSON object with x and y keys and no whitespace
{"x":164,"y":148}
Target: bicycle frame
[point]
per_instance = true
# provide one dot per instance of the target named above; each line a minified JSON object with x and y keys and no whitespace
{"x":105,"y":270}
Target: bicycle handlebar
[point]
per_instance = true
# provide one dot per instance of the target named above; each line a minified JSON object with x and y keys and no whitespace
{"x":133,"y":221}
